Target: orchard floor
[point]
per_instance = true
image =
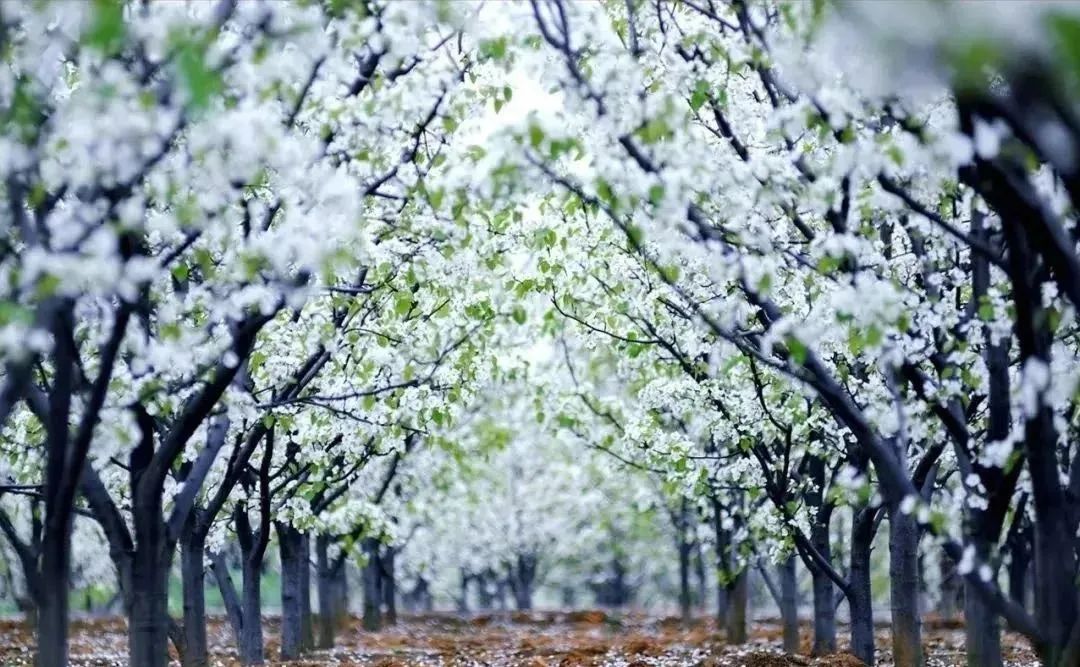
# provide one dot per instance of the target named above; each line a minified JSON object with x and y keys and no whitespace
{"x":578,"y":639}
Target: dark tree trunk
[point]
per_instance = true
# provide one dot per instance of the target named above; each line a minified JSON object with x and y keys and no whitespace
{"x":245,"y":610}
{"x":701,"y":576}
{"x":1019,"y":543}
{"x":325,"y":584}
{"x":860,"y":601}
{"x":229,"y":597}
{"x":192,"y":573}
{"x":904,"y":589}
{"x":389,"y":585}
{"x":722,"y":546}
{"x":522,"y":576}
{"x":251,"y":636}
{"x":951,"y":585}
{"x":501,"y":587}
{"x":293,"y":561}
{"x":429,"y":599}
{"x":485,"y":597}
{"x":52,"y":639}
{"x":307,"y":630}
{"x":372,"y":585}
{"x":1054,"y":536}
{"x":685,"y":600}
{"x":148,"y":614}
{"x":824,"y":595}
{"x":463,"y":598}
{"x":982,"y":632}
{"x":789,"y":604}
{"x":52,"y":626}
{"x":569,"y":597}
{"x":738,"y":597}
{"x":339,"y":592}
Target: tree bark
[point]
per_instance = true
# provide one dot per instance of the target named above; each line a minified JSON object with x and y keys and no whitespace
{"x":824,"y":595}
{"x":736,"y":614}
{"x":372,"y":585}
{"x":339,"y":590}
{"x":904,"y":589}
{"x":325,"y":585}
{"x":685,"y":600}
{"x":229,"y":597}
{"x":982,"y":632}
{"x":522,"y":575}
{"x":951,"y":586}
{"x":389,"y":585}
{"x":192,"y":575}
{"x":307,"y":630}
{"x":700,"y":576}
{"x":52,"y":620}
{"x":789,"y":604}
{"x":251,"y":636}
{"x":860,"y":601}
{"x":722,"y":545}
{"x":148,"y":614}
{"x":293,"y":560}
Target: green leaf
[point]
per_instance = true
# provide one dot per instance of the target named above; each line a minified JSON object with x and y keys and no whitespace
{"x":107,"y":29}
{"x":435,"y":197}
{"x":47,"y":286}
{"x":656,"y":194}
{"x":519,"y":314}
{"x":494,"y":49}
{"x":874,"y":335}
{"x":524,"y":287}
{"x":403,"y":304}
{"x":202,"y":82}
{"x":605,"y":193}
{"x":700,"y":94}
{"x":895,"y":154}
{"x":654,"y":131}
{"x":13,"y":312}
{"x":1065,"y":28}
{"x":797,"y":350}
{"x":536,"y":136}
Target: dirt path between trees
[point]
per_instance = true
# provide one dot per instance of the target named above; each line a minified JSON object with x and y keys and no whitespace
{"x":547,"y":639}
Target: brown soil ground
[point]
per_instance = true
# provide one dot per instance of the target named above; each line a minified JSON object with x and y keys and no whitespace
{"x":543,"y":639}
